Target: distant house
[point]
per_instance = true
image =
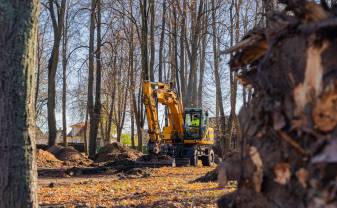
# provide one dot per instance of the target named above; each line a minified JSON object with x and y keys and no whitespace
{"x":40,"y":137}
{"x":76,"y":134}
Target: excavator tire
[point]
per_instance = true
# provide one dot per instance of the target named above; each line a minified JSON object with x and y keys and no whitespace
{"x":194,"y":158}
{"x":208,"y":160}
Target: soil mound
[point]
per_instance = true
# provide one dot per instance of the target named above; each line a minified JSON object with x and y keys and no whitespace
{"x":70,"y":156}
{"x":116,"y":152}
{"x":55,"y":149}
{"x":45,"y":159}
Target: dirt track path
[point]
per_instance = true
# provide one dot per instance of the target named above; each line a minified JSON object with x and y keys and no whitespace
{"x":166,"y":187}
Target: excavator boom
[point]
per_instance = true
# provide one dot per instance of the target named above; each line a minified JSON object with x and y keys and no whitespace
{"x":162,"y":93}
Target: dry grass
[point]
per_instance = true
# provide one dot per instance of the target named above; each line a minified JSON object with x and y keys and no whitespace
{"x":166,"y":187}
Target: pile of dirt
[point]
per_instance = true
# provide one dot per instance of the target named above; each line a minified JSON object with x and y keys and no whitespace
{"x":116,"y":152}
{"x":45,"y":159}
{"x":70,"y":156}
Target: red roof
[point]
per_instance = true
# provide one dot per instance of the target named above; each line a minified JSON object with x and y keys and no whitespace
{"x":78,"y":125}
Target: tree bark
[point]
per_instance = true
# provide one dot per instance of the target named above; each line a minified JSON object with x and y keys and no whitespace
{"x":144,"y":33}
{"x":334,"y":3}
{"x":95,"y":113}
{"x":64,"y":80}
{"x":268,"y":6}
{"x":18,"y":178}
{"x":196,"y":14}
{"x":182,"y":50}
{"x":85,"y":138}
{"x":221,"y":111}
{"x":132,"y":125}
{"x":92,"y":139}
{"x":233,"y":119}
{"x":58,"y":24}
{"x":153,"y":48}
{"x":161,"y":43}
{"x":204,"y":24}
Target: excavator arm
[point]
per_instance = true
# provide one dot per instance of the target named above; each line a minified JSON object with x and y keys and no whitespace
{"x":152,"y":114}
{"x":162,"y":93}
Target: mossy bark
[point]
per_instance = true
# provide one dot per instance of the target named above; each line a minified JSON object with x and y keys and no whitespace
{"x":18,"y":25}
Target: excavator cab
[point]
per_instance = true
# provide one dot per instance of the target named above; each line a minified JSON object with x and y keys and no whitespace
{"x":195,"y":123}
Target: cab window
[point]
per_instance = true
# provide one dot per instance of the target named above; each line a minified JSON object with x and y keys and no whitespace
{"x":192,"y":120}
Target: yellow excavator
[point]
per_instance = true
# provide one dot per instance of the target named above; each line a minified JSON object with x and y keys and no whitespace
{"x":186,"y":137}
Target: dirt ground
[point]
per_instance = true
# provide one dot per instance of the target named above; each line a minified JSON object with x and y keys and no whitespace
{"x":163,"y":187}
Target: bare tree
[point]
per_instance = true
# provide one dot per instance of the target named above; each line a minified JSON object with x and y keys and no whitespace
{"x":152,"y":40}
{"x":57,"y":16}
{"x":17,"y":110}
{"x":92,"y":137}
{"x":161,"y":44}
{"x":64,"y":75}
{"x":94,"y":107}
{"x":144,"y":33}
{"x":219,"y":102}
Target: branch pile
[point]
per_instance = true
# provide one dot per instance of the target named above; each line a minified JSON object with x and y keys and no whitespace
{"x":289,"y":145}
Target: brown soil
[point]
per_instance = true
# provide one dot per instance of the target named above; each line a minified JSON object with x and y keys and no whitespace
{"x":45,"y":159}
{"x":116,"y":152}
{"x":70,"y":156}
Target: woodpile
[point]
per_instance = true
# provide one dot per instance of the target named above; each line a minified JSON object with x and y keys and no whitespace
{"x":289,"y":134}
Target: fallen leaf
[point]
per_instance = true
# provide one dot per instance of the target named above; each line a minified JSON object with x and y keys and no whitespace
{"x":282,"y":173}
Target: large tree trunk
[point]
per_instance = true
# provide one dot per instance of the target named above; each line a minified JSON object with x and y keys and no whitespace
{"x":202,"y":64}
{"x":64,"y":80}
{"x":153,"y":48}
{"x":92,"y":138}
{"x":175,"y":51}
{"x":182,"y":50}
{"x":196,"y":14}
{"x":95,"y":113}
{"x":132,"y":125}
{"x":233,"y":120}
{"x":161,"y":43}
{"x":85,"y":132}
{"x":58,"y":24}
{"x":17,"y":111}
{"x":221,"y":124}
{"x":268,"y":6}
{"x":144,"y":33}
